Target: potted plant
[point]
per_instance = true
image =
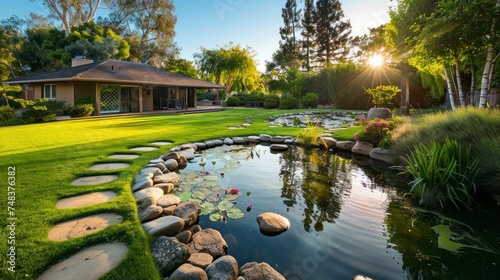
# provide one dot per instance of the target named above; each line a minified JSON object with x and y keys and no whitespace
{"x":381,"y":96}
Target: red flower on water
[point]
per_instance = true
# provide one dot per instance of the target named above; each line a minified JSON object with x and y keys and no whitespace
{"x":234,"y":191}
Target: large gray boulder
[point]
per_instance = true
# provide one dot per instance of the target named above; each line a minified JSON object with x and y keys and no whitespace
{"x":224,"y":268}
{"x":142,"y":183}
{"x":152,"y":193}
{"x":188,"y":272}
{"x":345,"y":145}
{"x":362,"y":148}
{"x":168,"y":200}
{"x":187,"y":153}
{"x":171,"y":164}
{"x":327,"y":142}
{"x":209,"y":241}
{"x":385,"y":155}
{"x":167,"y":225}
{"x":169,"y":254}
{"x":189,"y":211}
{"x":150,"y":213}
{"x":260,"y":271}
{"x":200,"y":259}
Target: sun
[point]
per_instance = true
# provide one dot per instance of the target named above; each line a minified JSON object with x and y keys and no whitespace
{"x":376,"y":60}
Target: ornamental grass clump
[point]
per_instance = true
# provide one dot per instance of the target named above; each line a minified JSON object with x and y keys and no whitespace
{"x":310,"y":135}
{"x":442,"y":173}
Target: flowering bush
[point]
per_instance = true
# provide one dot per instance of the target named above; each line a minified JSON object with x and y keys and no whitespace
{"x":375,"y":131}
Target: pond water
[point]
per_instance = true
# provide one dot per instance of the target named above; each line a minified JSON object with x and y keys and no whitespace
{"x":346,"y":219}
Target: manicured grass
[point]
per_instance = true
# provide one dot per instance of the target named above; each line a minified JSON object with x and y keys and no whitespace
{"x":48,"y":156}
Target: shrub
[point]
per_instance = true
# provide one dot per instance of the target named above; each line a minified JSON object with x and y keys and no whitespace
{"x":442,"y":173}
{"x":382,"y":95}
{"x":287,"y":103}
{"x":309,"y":136}
{"x":310,"y":100}
{"x":39,"y":114}
{"x":16,"y":121}
{"x":374,"y":131}
{"x":84,"y":100}
{"x":270,"y":103}
{"x":233,"y":101}
{"x":81,"y":110}
{"x":6,"y":113}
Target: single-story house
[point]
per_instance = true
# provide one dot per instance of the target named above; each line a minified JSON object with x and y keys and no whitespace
{"x":116,"y":86}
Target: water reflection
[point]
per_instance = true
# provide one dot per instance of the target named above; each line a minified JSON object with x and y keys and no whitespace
{"x":346,"y":218}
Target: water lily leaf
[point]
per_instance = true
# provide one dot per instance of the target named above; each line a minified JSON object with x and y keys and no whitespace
{"x":199,"y":195}
{"x":204,"y":190}
{"x":212,"y":198}
{"x":235,"y":213}
{"x":216,"y":188}
{"x":207,"y":208}
{"x":185,"y":196}
{"x":209,"y":184}
{"x":230,"y":197}
{"x":211,"y":178}
{"x":195,"y":199}
{"x":215,"y":217}
{"x":225,"y":205}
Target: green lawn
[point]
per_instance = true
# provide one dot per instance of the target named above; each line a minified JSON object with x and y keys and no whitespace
{"x":48,"y":156}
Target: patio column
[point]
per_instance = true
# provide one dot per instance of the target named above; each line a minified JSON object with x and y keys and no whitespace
{"x":141,"y":106}
{"x":97,"y":99}
{"x":195,"y":98}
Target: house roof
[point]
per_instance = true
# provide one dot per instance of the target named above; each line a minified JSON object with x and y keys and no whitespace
{"x":116,"y":71}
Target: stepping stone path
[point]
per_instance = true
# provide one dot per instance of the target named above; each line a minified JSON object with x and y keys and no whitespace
{"x":124,"y":156}
{"x":144,"y":149}
{"x":85,"y":200}
{"x":83,"y":226}
{"x":89,"y":264}
{"x":109,"y":166}
{"x":94,"y":180}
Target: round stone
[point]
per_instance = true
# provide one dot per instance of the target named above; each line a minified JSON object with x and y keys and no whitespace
{"x":83,"y":226}
{"x":272,"y":223}
{"x":108,"y":166}
{"x":90,"y":263}
{"x":160,"y":143}
{"x":124,"y":156}
{"x":93,"y":180}
{"x":85,"y":200}
{"x":144,"y":149}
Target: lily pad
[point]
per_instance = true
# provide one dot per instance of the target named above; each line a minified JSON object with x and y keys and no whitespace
{"x":185,"y":196}
{"x":215,"y":217}
{"x":195,"y":199}
{"x":230,"y":197}
{"x":207,"y":208}
{"x":211,"y":178}
{"x":204,"y":190}
{"x":199,"y":195}
{"x":235,"y":213}
{"x":212,"y":198}
{"x":225,"y":205}
{"x":216,"y":188}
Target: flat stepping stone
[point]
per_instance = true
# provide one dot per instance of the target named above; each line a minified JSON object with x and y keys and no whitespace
{"x":124,"y":156}
{"x":144,"y":149}
{"x":83,"y":226}
{"x":161,"y":143}
{"x":109,"y":166}
{"x":94,"y":180}
{"x":85,"y":200}
{"x":89,"y":264}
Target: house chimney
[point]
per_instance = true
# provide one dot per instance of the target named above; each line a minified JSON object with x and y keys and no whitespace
{"x":80,"y":60}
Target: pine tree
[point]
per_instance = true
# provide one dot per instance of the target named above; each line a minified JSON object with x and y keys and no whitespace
{"x":308,"y":33}
{"x":332,"y":33}
{"x":289,"y":45}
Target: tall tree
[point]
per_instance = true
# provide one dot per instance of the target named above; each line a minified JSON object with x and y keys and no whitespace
{"x":231,"y":65}
{"x":308,"y":34}
{"x":72,"y":12}
{"x":289,"y":45}
{"x":332,"y":32}
{"x":153,"y":23}
{"x":182,"y":66}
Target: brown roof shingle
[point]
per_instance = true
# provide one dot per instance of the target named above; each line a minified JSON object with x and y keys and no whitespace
{"x":116,"y":71}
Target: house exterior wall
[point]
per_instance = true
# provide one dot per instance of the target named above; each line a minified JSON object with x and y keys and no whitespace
{"x":85,"y":89}
{"x":65,"y":92}
{"x":147,"y":101}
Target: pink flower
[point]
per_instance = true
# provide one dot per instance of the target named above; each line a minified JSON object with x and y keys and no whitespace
{"x":356,"y":135}
{"x":234,"y":191}
{"x":362,"y":120}
{"x":386,"y":124}
{"x":377,"y":123}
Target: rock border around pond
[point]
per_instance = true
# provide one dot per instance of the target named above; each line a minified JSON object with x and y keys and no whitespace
{"x":174,"y":223}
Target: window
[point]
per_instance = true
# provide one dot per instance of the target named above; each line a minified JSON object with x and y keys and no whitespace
{"x":49,"y":91}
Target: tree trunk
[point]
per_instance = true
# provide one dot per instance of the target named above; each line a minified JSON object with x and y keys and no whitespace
{"x":459,"y":83}
{"x":449,"y":88}
{"x":483,"y":98}
{"x":405,"y":91}
{"x":472,"y":100}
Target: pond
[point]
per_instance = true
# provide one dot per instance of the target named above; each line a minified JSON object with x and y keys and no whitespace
{"x":346,"y":219}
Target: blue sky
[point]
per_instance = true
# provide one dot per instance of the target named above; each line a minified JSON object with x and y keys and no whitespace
{"x":214,"y":23}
